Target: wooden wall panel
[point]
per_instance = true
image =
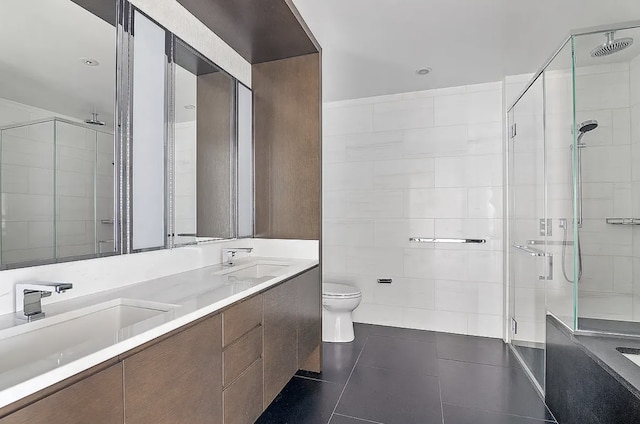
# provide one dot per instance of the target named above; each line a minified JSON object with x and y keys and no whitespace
{"x":287,"y":137}
{"x":259,"y":30}
{"x":213,"y":168}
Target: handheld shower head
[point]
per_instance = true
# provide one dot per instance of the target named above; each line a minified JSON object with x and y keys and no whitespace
{"x":587,"y":126}
{"x":584,"y":128}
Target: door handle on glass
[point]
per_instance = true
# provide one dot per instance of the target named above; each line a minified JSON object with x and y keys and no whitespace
{"x":548,"y":268}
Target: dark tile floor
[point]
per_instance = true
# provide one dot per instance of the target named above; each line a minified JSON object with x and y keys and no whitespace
{"x":398,"y":376}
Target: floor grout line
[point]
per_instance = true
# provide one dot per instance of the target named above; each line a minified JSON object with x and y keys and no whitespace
{"x":475,"y":363}
{"x":491,"y":411}
{"x":350,"y":374}
{"x":405,"y":338}
{"x":319,"y":380}
{"x":441,"y":403}
{"x":359,"y":419}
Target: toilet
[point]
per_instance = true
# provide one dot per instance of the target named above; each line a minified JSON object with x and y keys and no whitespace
{"x":338,"y":302}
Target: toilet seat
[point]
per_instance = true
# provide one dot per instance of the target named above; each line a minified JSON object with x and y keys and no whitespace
{"x":339,"y":291}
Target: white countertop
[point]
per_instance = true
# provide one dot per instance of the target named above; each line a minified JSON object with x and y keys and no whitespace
{"x":191,"y":295}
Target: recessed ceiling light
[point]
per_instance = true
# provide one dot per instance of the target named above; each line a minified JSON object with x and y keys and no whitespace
{"x":190,"y":107}
{"x":89,"y":62}
{"x":423,"y":71}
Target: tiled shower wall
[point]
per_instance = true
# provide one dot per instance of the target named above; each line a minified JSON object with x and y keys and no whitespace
{"x":28,"y":187}
{"x":604,"y":93}
{"x":422,"y":164}
{"x":634,"y":102}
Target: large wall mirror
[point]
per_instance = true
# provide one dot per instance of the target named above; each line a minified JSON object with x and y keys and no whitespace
{"x":202,"y":142}
{"x":58,"y":73}
{"x":204,"y":147}
{"x":81,"y":176}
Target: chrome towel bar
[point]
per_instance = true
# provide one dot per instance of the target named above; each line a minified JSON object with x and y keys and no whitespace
{"x":550,"y":242}
{"x":623,"y":221}
{"x":446,"y":240}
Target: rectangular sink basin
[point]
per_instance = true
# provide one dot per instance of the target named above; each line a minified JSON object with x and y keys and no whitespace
{"x":259,"y":270}
{"x":33,"y":348}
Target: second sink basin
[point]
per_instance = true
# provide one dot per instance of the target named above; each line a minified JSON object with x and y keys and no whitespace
{"x":257,"y":270}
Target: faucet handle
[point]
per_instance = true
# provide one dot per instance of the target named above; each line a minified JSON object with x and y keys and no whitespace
{"x":32,"y":305}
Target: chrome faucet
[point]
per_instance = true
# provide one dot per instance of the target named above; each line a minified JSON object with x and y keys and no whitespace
{"x":229,"y":254}
{"x":30,"y":295}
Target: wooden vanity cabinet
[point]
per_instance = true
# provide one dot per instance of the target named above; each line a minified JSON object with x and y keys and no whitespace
{"x":280,"y":338}
{"x":242,"y":393}
{"x":178,"y":380}
{"x":309,"y":320}
{"x":226,"y":368}
{"x":96,"y":399}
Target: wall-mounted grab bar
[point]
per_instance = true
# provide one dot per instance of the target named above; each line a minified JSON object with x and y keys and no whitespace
{"x":623,"y":221}
{"x":446,"y":240}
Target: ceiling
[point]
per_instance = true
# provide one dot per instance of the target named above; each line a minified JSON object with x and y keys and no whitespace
{"x":375,"y":47}
{"x":42,"y":44}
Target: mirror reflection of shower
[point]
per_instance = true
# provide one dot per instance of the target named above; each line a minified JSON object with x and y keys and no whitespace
{"x":584,"y":128}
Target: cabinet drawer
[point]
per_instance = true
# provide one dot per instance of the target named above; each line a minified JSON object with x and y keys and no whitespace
{"x":241,"y":318}
{"x":242,"y":353}
{"x":243,"y":399}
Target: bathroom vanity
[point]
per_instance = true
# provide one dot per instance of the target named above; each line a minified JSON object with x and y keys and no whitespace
{"x":228,"y":345}
{"x":189,"y":342}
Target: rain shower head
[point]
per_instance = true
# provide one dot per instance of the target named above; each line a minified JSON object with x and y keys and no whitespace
{"x":94,"y":120}
{"x":587,"y":126}
{"x":611,"y":46}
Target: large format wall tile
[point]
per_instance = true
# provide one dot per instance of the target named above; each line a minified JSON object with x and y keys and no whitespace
{"x":419,"y":164}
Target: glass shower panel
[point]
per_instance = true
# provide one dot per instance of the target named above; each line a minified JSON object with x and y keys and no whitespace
{"x":607,"y":130}
{"x":558,"y":135}
{"x":75,"y":190}
{"x":527,"y":229}
{"x":27,"y":192}
{"x":105,"y":193}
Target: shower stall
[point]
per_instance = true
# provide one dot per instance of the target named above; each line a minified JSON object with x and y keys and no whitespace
{"x":56,"y":191}
{"x":573,"y":193}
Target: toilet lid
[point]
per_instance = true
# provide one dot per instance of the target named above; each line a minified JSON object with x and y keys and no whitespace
{"x":339,"y":290}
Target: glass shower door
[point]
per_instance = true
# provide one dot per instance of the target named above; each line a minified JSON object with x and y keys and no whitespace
{"x":529,"y":265}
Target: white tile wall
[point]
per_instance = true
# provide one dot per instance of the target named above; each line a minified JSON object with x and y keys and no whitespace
{"x":417,"y":164}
